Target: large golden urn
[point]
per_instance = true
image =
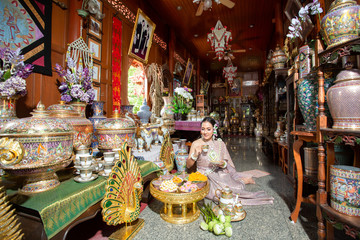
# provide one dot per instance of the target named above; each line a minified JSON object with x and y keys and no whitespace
{"x":36,"y":147}
{"x":341,"y":23}
{"x":83,"y":128}
{"x":113,"y":132}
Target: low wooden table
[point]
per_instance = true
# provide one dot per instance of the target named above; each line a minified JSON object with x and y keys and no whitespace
{"x":179,"y":208}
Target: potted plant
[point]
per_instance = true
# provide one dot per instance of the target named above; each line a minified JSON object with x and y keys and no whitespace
{"x":182,"y":102}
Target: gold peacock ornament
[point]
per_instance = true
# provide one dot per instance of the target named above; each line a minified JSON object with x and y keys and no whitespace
{"x":9,"y":225}
{"x":124,"y":188}
{"x":167,"y":154}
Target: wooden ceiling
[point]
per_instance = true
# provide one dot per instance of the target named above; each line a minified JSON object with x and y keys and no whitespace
{"x":180,"y":15}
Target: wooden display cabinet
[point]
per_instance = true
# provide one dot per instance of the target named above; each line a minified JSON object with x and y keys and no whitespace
{"x":326,"y":138}
{"x":201,"y":104}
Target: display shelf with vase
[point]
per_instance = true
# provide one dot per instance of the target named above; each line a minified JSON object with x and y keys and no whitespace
{"x":36,"y":147}
{"x":328,"y":215}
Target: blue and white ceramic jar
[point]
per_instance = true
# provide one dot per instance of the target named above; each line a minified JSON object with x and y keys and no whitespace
{"x":144,"y":114}
{"x":98,"y":116}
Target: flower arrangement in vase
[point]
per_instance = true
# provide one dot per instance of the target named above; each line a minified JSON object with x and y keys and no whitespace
{"x":182,"y":101}
{"x":13,"y":72}
{"x":77,"y":86}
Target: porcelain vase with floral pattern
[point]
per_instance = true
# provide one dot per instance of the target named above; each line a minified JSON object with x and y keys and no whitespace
{"x":167,"y":110}
{"x":98,"y":116}
{"x":181,"y":156}
{"x":308,"y":100}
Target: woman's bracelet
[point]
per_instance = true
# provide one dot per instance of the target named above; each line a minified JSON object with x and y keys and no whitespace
{"x":193,"y":157}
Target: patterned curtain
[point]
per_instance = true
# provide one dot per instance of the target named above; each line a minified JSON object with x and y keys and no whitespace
{"x":116,"y":62}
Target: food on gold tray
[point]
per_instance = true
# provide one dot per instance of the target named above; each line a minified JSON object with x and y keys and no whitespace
{"x":189,"y":187}
{"x":168,"y":186}
{"x":197,"y":177}
{"x":177,"y":180}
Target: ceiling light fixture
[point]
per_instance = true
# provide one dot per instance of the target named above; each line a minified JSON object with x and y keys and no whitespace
{"x":250,"y":48}
{"x":251,"y":25}
{"x":196,"y":35}
{"x":179,"y":8}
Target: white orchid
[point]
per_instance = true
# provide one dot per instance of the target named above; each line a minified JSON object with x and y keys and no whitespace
{"x":303,"y":12}
{"x":295,"y":27}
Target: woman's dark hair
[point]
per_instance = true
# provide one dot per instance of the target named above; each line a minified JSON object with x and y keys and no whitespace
{"x":213,"y":122}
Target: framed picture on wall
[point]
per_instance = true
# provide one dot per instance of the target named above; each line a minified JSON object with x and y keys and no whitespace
{"x":97,"y":93}
{"x":142,"y":37}
{"x":95,"y":27}
{"x":95,"y":47}
{"x":188,"y":72}
{"x":96,"y":72}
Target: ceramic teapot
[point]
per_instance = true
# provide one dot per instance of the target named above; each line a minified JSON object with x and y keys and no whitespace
{"x":225,"y":198}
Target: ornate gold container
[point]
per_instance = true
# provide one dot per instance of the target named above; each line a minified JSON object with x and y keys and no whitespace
{"x":36,"y":147}
{"x":278,"y":58}
{"x":341,"y":23}
{"x":179,"y":208}
{"x":83,"y":128}
{"x":113,"y":132}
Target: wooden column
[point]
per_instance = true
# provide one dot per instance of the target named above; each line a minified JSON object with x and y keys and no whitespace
{"x":198,"y":77}
{"x":171,"y":60}
{"x":74,"y":20}
{"x":279,"y":31}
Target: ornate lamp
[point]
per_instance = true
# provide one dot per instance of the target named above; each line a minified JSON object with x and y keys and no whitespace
{"x":229,"y":72}
{"x":219,"y":39}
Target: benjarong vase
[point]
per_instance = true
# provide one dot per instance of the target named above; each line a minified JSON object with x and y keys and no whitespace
{"x":167,"y":110}
{"x":181,"y":156}
{"x":341,"y":23}
{"x":7,"y":109}
{"x":308,"y":100}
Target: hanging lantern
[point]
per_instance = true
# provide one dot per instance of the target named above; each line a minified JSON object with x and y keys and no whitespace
{"x":229,"y":73}
{"x":219,"y":39}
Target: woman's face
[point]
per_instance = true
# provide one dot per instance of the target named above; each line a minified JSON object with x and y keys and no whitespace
{"x":207,"y":131}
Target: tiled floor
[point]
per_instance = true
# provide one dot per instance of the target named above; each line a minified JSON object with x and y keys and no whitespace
{"x":261,"y":222}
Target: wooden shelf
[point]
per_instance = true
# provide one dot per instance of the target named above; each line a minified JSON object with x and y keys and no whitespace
{"x":337,"y":216}
{"x":340,"y":131}
{"x":338,"y":47}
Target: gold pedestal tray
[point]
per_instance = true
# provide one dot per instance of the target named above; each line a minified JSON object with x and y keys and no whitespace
{"x":179,"y":208}
{"x":129,"y":231}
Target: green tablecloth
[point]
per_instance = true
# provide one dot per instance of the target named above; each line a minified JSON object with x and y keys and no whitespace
{"x":60,"y":206}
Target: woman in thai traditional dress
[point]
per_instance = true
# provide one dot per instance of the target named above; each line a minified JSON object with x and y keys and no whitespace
{"x":217,"y":165}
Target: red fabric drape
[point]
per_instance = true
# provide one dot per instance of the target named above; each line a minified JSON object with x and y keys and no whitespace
{"x":116,"y":62}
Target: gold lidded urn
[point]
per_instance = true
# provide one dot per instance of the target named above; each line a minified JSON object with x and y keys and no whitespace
{"x":36,"y":147}
{"x":83,"y":128}
{"x":341,"y":23}
{"x":113,"y":132}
